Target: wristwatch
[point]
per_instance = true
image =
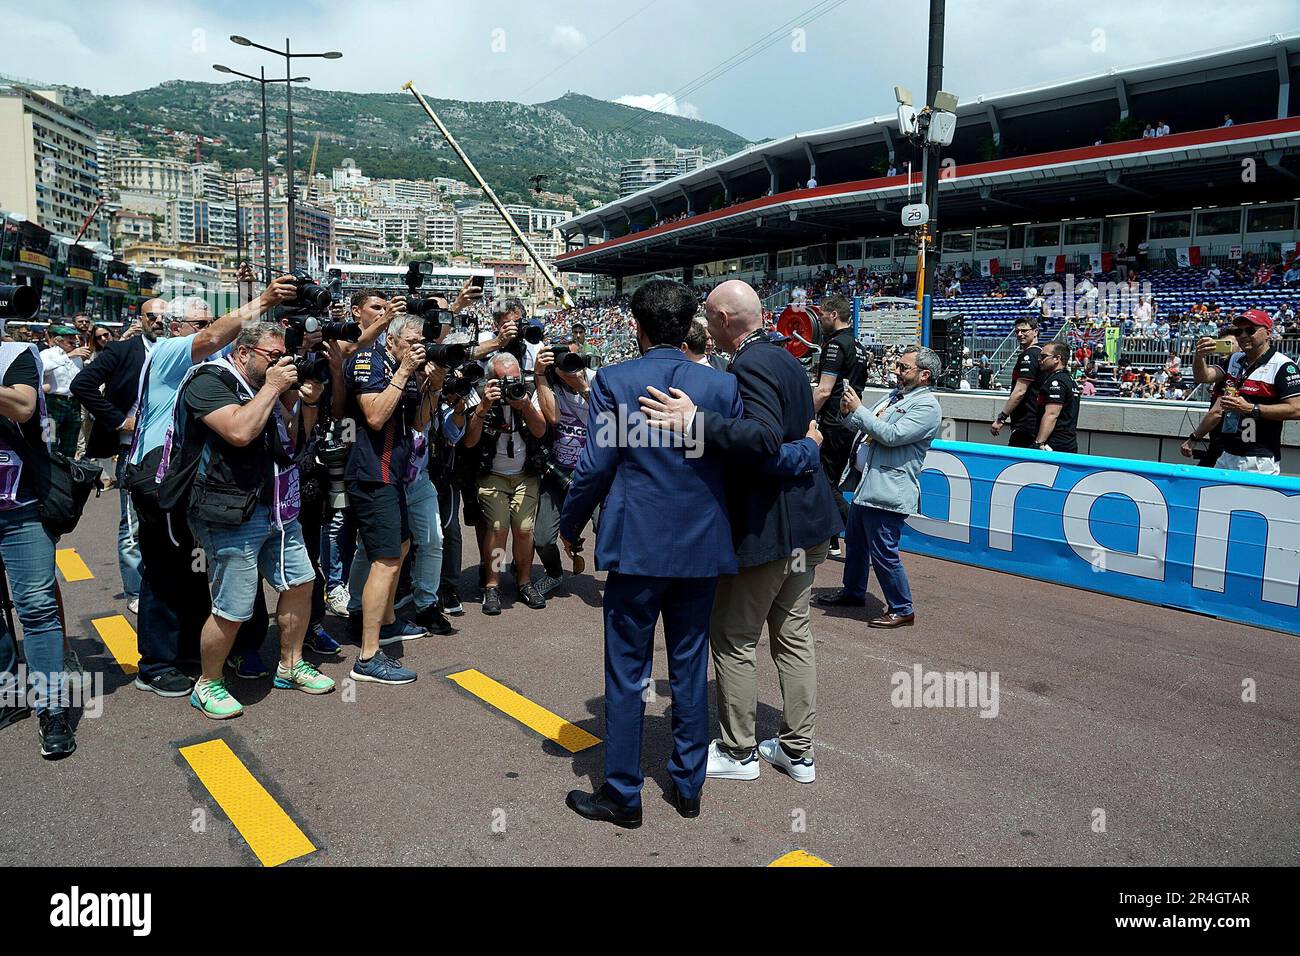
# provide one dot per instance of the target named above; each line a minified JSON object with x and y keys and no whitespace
{"x":1254,"y":409}
{"x":1002,"y":418}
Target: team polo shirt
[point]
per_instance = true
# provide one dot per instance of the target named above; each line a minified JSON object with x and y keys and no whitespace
{"x":1274,"y":379}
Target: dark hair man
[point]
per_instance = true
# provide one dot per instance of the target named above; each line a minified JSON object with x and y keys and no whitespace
{"x":239,"y":421}
{"x":108,"y":388}
{"x":834,"y":370}
{"x":1058,"y":402}
{"x":782,"y":524}
{"x":639,"y":482}
{"x":1021,"y":406}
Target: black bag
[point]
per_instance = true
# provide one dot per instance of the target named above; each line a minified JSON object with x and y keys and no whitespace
{"x":221,"y":503}
{"x":70,"y":485}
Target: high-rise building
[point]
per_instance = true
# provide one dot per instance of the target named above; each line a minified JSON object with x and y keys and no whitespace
{"x":403,"y":226}
{"x":360,"y":241}
{"x":314,"y":234}
{"x":638,"y":174}
{"x":207,"y":181}
{"x":442,"y":231}
{"x":169,"y":178}
{"x":49,"y":168}
{"x":203,"y":221}
{"x":483,"y":233}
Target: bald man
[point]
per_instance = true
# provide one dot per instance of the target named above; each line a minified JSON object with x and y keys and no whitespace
{"x":781,"y":525}
{"x":116,"y":370}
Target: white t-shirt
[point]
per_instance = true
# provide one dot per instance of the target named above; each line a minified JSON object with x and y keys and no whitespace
{"x":60,"y":369}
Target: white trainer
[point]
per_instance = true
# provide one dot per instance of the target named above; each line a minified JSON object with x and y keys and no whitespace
{"x":337,"y":600}
{"x":723,"y":766}
{"x":800,"y":771}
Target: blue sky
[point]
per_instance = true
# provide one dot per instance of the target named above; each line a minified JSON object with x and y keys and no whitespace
{"x":832,"y":62}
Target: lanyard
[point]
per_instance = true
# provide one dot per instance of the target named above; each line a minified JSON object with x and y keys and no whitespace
{"x":758,"y":335}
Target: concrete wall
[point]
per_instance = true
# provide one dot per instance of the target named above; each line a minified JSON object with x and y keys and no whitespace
{"x":1117,"y":427}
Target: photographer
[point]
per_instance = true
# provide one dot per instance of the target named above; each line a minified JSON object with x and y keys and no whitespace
{"x":509,"y":334}
{"x":174,"y":594}
{"x":385,"y":400}
{"x":28,"y":552}
{"x":507,"y":428}
{"x":562,"y":398}
{"x":60,"y":364}
{"x":237,"y":429}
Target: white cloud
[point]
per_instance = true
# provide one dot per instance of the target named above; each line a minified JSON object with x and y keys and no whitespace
{"x":568,"y":40}
{"x":660,"y":103}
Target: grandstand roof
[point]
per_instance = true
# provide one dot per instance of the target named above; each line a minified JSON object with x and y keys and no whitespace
{"x":1251,"y":82}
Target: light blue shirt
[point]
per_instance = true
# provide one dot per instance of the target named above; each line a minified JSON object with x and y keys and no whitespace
{"x":169,"y":360}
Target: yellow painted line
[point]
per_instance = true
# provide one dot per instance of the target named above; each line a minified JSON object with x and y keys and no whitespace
{"x":268,"y":830}
{"x":71,"y":566}
{"x":119,"y":637}
{"x":569,"y":736}
{"x":799,"y":858}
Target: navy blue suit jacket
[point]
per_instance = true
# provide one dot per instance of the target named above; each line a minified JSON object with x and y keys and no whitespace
{"x":663,"y":509}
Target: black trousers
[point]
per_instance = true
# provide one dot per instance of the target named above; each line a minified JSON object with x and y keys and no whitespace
{"x":174,"y":597}
{"x":449,"y":513}
{"x":312,"y":518}
{"x":1022,"y":440}
{"x":837,"y":441}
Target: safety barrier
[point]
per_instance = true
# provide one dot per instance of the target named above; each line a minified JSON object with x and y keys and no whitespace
{"x":1216,"y":542}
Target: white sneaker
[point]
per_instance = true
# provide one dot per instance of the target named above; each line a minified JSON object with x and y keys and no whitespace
{"x":133,"y":605}
{"x":723,"y":766}
{"x":337,"y":600}
{"x":800,"y":771}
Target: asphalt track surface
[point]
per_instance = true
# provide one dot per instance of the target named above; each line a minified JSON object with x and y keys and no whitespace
{"x":1104,"y":705}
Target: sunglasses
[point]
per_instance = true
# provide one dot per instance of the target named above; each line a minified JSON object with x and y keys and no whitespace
{"x":1247,"y":330}
{"x":903,"y":366}
{"x":272,"y":356}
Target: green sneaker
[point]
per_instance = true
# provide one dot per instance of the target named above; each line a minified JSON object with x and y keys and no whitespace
{"x":213,"y":700}
{"x":304,"y":677}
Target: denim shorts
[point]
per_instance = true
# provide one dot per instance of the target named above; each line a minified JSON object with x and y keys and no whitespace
{"x":238,"y":557}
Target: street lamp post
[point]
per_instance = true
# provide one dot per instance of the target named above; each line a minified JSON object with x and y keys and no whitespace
{"x":290,"y":189}
{"x":266,"y":164}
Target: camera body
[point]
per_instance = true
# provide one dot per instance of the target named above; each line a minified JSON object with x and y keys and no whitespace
{"x":332,"y":455}
{"x":513,"y":388}
{"x":311,"y":369}
{"x":462,"y":380}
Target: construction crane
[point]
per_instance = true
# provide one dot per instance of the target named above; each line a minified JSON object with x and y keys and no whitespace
{"x":311,"y":169}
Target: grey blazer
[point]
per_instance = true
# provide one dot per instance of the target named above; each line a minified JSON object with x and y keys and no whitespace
{"x":899,"y":440}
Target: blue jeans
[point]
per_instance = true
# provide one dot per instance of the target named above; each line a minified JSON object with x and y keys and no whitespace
{"x":128,"y":534}
{"x":426,"y":542}
{"x":338,"y":546}
{"x":872,"y":535}
{"x":28,"y":553}
{"x":240,"y":557}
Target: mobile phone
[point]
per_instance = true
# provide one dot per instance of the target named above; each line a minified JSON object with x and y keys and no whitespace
{"x":1224,"y":346}
{"x":477,"y":281}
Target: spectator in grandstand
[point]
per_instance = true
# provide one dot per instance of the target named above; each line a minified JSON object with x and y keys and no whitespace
{"x":1087,"y":388}
{"x":1261,"y":391}
{"x":1021,"y":407}
{"x":1291,"y":278}
{"x":1149,"y":132}
{"x":1263,"y":276}
{"x":1162,"y":129}
{"x":1211,"y":280}
{"x":1284,"y":317}
{"x":1227,"y":121}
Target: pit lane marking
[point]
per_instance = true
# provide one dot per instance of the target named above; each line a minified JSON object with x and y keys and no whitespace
{"x":515,"y":705}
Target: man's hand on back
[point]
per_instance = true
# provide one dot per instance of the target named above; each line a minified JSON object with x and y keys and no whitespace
{"x":664,"y":411}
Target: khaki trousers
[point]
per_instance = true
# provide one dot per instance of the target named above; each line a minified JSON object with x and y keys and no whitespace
{"x":776,"y":593}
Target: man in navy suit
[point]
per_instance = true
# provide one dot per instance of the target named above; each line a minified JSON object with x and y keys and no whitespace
{"x":664,"y":538}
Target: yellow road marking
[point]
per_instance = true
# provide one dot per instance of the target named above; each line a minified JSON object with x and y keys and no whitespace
{"x":569,"y":736}
{"x":71,"y":566}
{"x":268,"y":830}
{"x":798,"y":858}
{"x":119,"y":637}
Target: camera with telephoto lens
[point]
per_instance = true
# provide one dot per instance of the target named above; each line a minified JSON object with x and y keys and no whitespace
{"x":448,"y":355}
{"x":462,"y":380}
{"x":297,"y":328}
{"x":513,"y":388}
{"x":311,"y":368}
{"x":312,"y":298}
{"x":547,"y":467}
{"x":332,"y":455}
{"x":18,"y":302}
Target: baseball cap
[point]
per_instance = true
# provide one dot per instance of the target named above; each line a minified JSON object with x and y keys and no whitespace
{"x":1258,"y":317}
{"x":63,"y":330}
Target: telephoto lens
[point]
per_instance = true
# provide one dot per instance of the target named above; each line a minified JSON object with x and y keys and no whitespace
{"x":18,"y":302}
{"x":463,"y":379}
{"x":534,"y":333}
{"x":346,"y":331}
{"x":447,"y":355}
{"x":572,"y":362}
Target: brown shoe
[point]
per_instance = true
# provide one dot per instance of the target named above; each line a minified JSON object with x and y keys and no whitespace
{"x":892,"y":620}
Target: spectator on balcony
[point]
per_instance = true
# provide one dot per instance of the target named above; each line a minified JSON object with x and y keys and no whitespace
{"x":1227,"y":120}
{"x":1149,"y":132}
{"x":1162,"y":129}
{"x":1211,"y":280}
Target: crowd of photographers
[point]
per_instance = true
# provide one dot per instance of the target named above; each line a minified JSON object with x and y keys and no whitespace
{"x":324,"y":448}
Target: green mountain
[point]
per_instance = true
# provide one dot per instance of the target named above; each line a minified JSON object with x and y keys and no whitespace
{"x":576,"y":141}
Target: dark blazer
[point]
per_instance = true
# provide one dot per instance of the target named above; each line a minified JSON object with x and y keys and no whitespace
{"x":663,"y":509}
{"x":117,"y":368}
{"x":771,"y":514}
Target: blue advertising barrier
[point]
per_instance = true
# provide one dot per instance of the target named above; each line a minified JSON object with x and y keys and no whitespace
{"x":1200,"y":539}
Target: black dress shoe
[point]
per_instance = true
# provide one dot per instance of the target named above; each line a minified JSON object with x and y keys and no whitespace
{"x":599,"y":806}
{"x":686,"y":808}
{"x":892,"y":620}
{"x":838,"y":599}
